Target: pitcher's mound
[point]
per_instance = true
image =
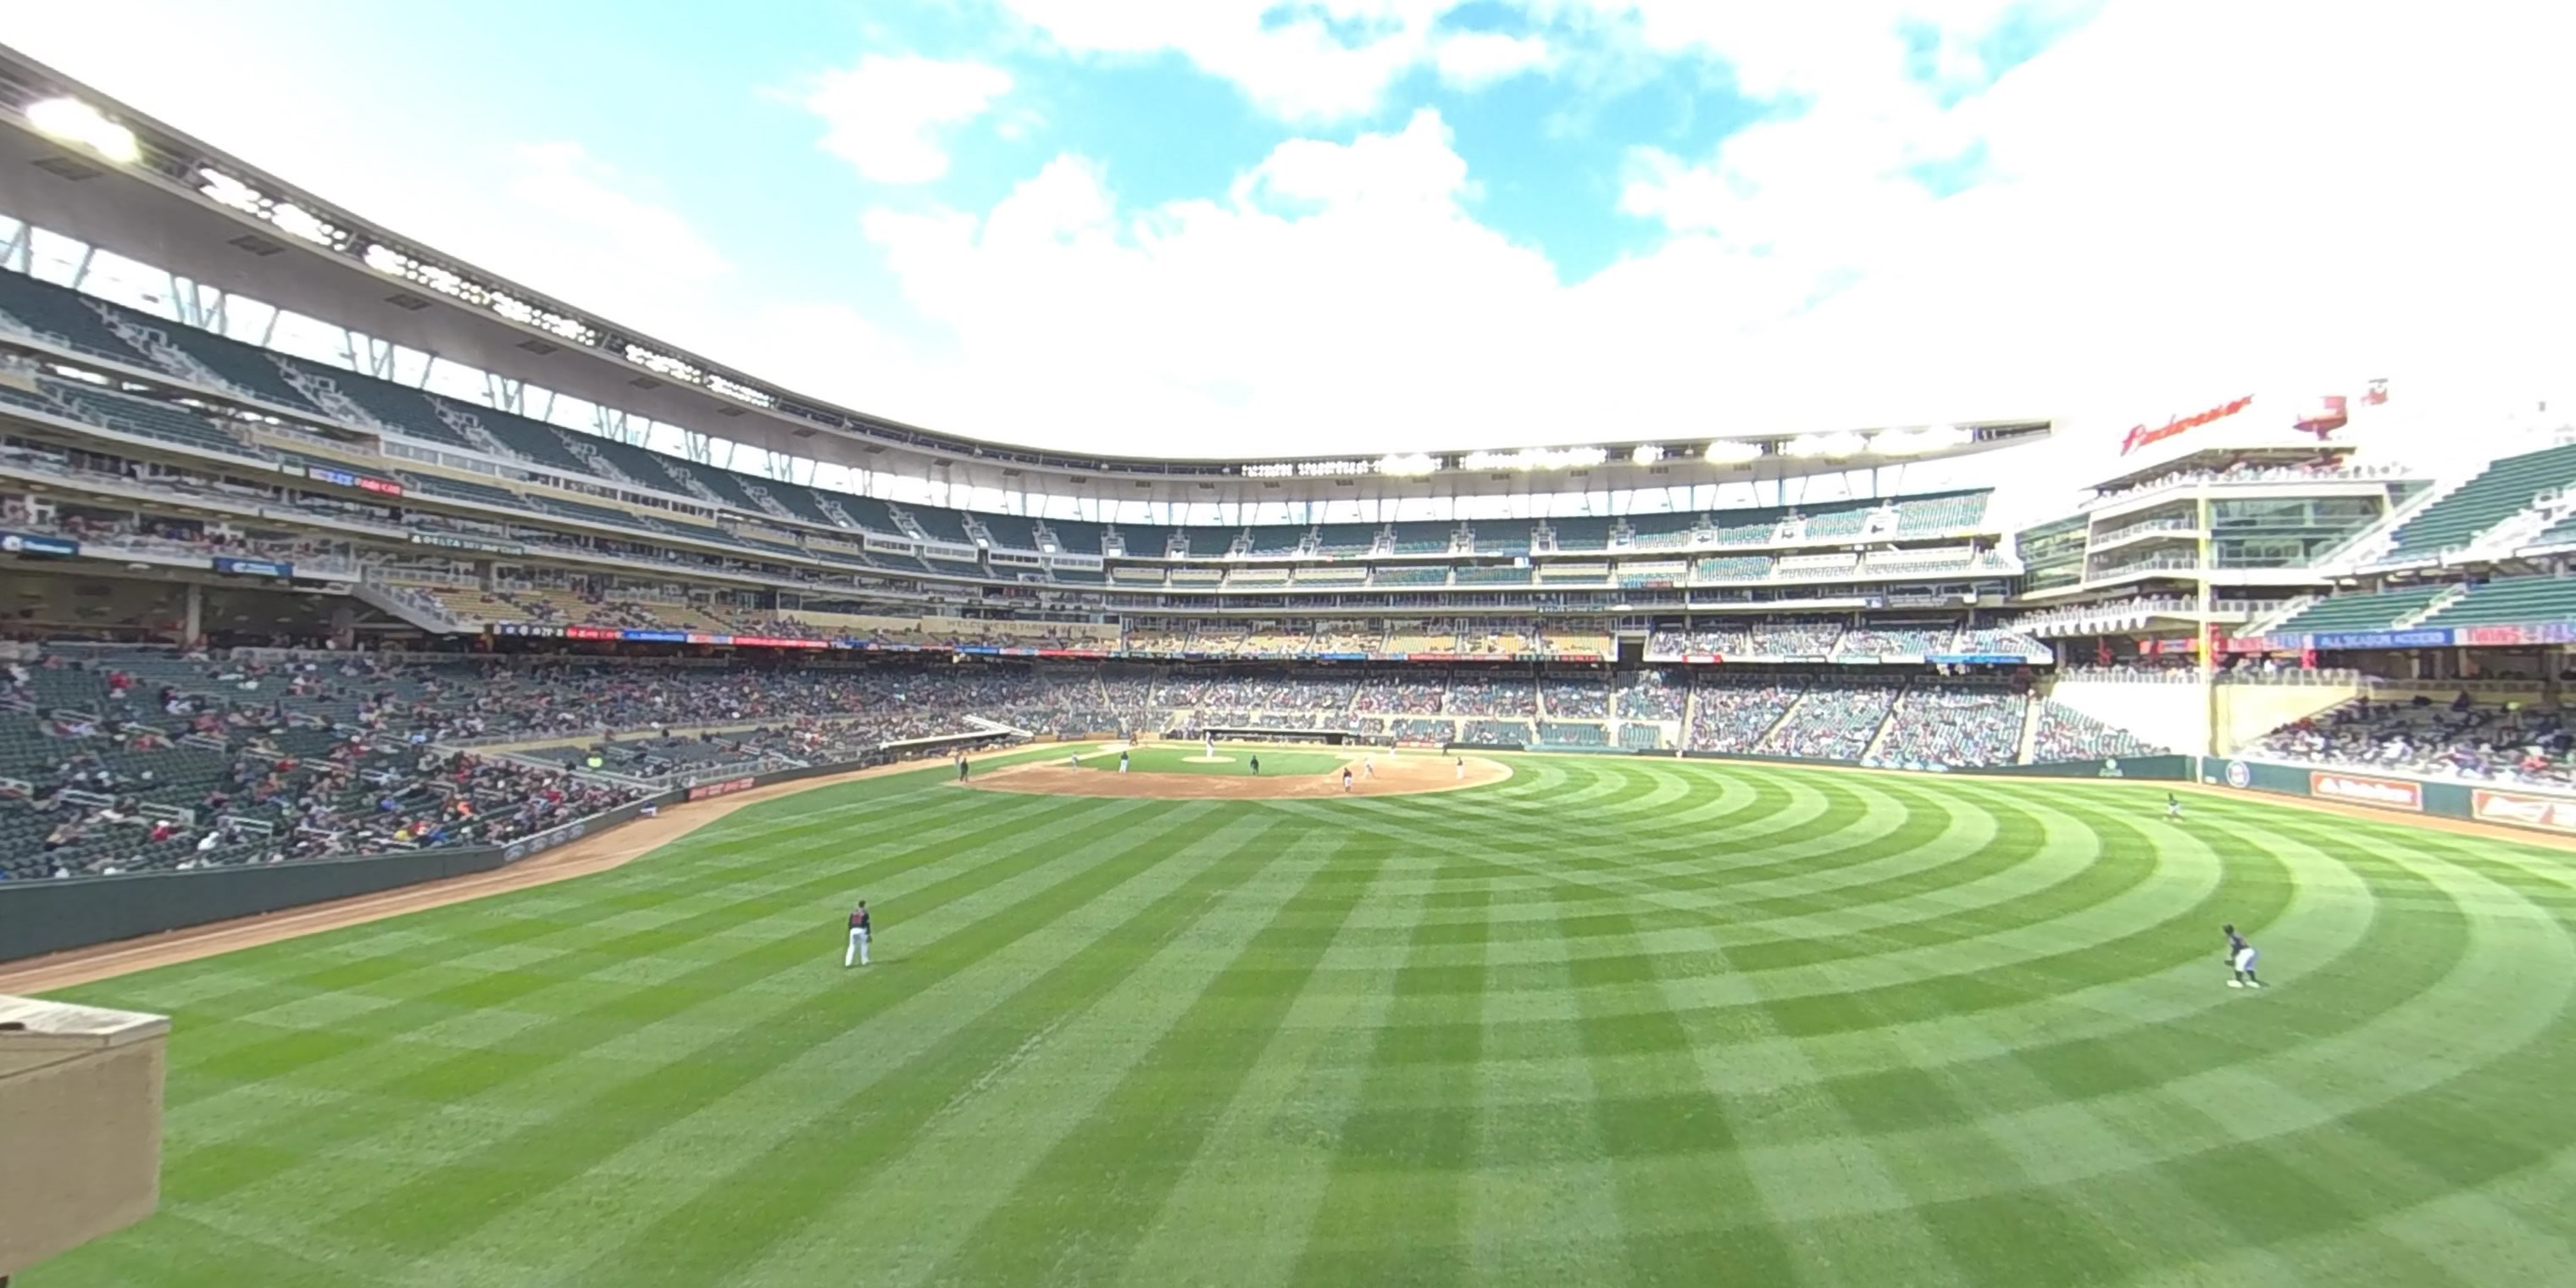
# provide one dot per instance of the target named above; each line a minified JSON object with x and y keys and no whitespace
{"x":1405,"y":778}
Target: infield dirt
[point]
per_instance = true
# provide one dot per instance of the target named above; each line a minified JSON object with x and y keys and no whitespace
{"x":1393,"y":776}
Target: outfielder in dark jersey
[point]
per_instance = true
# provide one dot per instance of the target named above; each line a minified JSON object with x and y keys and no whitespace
{"x":858,"y":954}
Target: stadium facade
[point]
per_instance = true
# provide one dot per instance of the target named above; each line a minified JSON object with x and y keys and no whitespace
{"x":238,"y":415}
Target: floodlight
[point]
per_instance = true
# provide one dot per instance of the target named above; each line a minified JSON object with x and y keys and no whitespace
{"x":1732,"y":451}
{"x":1412,"y":465}
{"x":1830,"y":446}
{"x":1916,"y":442}
{"x":74,"y":121}
{"x":1646,"y":454}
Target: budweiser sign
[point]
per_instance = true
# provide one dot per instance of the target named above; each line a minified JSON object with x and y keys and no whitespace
{"x":2549,"y":812}
{"x":2386,"y":793}
{"x":2140,"y":435}
{"x":728,"y":787}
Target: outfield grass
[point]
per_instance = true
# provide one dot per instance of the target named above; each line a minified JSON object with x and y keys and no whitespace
{"x":1614,"y":1021}
{"x":1175,"y":758}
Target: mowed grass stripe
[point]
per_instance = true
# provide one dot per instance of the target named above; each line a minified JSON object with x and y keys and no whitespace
{"x":831,"y":1148}
{"x":390,"y":953}
{"x":437,"y":1077}
{"x":1078,"y":1215}
{"x":501,"y":1014}
{"x":1687,"y":1206}
{"x":1392,"y":1210}
{"x":2019,"y":1065}
{"x":445,"y":1203}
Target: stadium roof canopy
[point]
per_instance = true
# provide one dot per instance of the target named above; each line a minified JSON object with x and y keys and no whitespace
{"x":92,"y":168}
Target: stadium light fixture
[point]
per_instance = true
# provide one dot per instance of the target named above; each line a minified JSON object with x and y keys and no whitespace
{"x":1916,"y":442}
{"x":1537,"y":458}
{"x":1828,"y":446}
{"x":1646,"y":454}
{"x":1732,"y":451}
{"x":1406,"y":466}
{"x":74,"y":121}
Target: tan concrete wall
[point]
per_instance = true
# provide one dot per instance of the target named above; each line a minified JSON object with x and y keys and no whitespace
{"x":80,"y":1144}
{"x":2169,"y":715}
{"x":2246,"y":712}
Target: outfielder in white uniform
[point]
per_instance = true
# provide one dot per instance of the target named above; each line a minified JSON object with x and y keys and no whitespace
{"x":858,"y":954}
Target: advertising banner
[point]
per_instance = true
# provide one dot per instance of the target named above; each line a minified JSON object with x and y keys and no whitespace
{"x":2361,"y":789}
{"x":2434,"y":637}
{"x":705,"y":791}
{"x":2555,"y":814}
{"x":22,"y":543}
{"x":253,"y":567}
{"x":446,"y":542}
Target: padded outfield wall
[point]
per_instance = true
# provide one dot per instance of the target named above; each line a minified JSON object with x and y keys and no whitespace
{"x":42,"y":916}
{"x":48,"y":916}
{"x":2531,"y":808}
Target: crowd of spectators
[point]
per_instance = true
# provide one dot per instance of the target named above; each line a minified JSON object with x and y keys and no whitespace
{"x":1399,"y":693}
{"x":2504,"y":742}
{"x":1572,"y":698}
{"x":1885,"y":641}
{"x":1834,"y":720}
{"x":1792,"y":637}
{"x":2064,"y":733}
{"x":1651,"y":695}
{"x":1734,"y":711}
{"x":1955,"y":723}
{"x":1472,"y":693}
{"x":158,"y":761}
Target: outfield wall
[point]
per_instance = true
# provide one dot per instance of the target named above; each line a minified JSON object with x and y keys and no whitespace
{"x":51,"y":916}
{"x":2530,"y":808}
{"x":39,"y":916}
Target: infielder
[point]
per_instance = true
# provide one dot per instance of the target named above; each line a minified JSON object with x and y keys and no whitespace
{"x":858,"y":954}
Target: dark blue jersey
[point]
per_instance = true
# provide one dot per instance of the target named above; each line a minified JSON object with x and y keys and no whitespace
{"x":859,"y":919}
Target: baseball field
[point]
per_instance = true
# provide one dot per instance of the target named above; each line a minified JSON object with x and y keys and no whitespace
{"x":1604,"y":1021}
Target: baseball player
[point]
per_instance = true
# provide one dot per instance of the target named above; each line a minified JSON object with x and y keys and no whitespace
{"x":2173,"y":806}
{"x":1346,"y":778}
{"x":1462,"y":769}
{"x":1368,"y":766}
{"x":858,"y":954}
{"x":2241,"y":957}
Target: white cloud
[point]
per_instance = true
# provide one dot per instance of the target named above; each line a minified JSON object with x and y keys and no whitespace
{"x":589,"y":206}
{"x":1308,"y":60}
{"x":2164,"y":219}
{"x":1475,"y":59}
{"x":886,"y":115}
{"x":2136,"y":244}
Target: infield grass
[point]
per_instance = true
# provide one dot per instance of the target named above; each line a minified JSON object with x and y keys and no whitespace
{"x":1178,"y":758}
{"x":1614,"y":1021}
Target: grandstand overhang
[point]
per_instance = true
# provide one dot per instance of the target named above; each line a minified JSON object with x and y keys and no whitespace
{"x":163,"y":198}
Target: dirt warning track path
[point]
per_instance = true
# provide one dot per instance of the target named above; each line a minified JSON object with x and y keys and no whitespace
{"x":599,"y":853}
{"x":1370,"y":776}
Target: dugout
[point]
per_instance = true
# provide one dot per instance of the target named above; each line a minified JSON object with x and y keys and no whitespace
{"x":1267,"y":733}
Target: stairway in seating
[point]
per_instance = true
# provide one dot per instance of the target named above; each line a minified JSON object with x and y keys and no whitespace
{"x":1886,"y":723}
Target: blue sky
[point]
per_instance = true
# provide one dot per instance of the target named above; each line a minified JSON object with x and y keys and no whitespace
{"x":1348,"y":225}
